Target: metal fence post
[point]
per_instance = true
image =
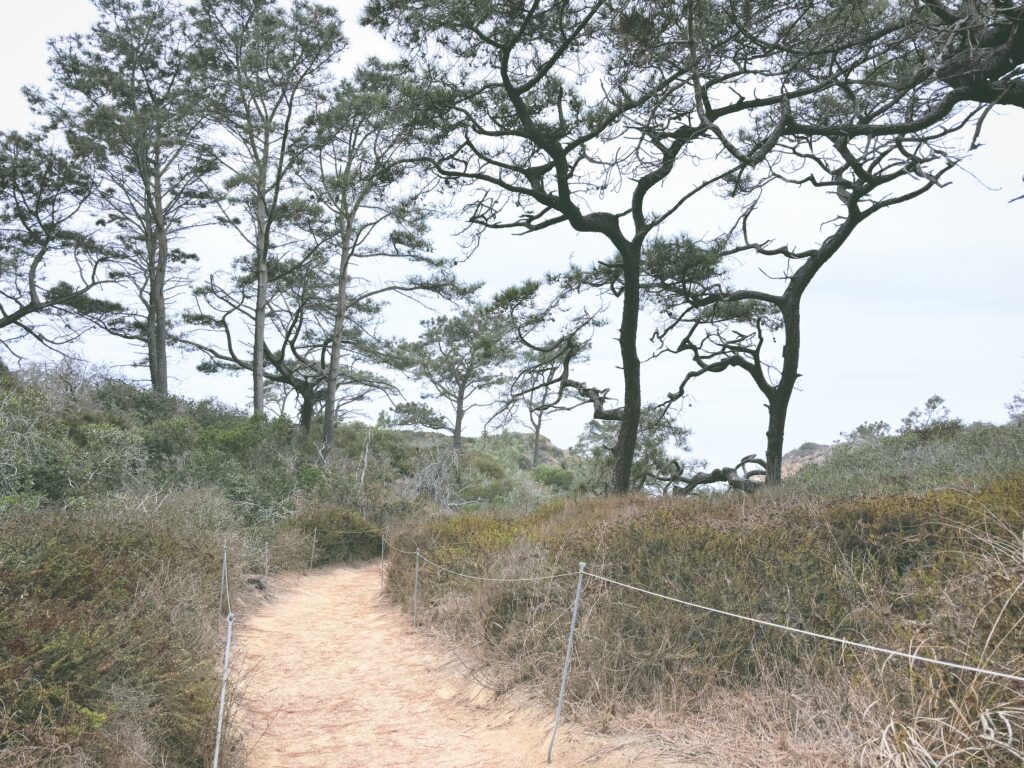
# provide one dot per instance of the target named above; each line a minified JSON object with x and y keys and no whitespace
{"x":223,"y":576}
{"x":266,"y":558}
{"x":382,"y":562}
{"x":568,"y":656}
{"x":312,"y":555}
{"x":223,"y":691}
{"x":416,"y":587}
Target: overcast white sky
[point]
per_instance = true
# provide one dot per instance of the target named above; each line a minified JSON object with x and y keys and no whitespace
{"x":925,"y":299}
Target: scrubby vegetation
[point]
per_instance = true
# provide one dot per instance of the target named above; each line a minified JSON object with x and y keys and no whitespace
{"x":112,"y":527}
{"x":115,"y":503}
{"x":108,"y":607}
{"x":323,"y":180}
{"x":961,"y":456}
{"x":114,"y":507}
{"x":913,"y":542}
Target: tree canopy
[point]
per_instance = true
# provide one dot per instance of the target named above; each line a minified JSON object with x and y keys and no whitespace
{"x":332,"y":182}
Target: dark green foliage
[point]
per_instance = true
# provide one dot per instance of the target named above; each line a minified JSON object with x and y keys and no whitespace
{"x":43,"y":194}
{"x":456,"y":358}
{"x":341,"y":535}
{"x":414,"y":414}
{"x":1015,"y":409}
{"x":260,"y":464}
{"x":556,"y":478}
{"x":392,"y":452}
{"x":94,"y":638}
{"x":869,"y":430}
{"x":118,"y":397}
{"x":660,"y":440}
{"x":931,"y":423}
{"x":172,"y":437}
{"x":126,"y":98}
{"x":95,"y":437}
{"x":919,"y":460}
{"x":487,"y":465}
{"x":66,"y":437}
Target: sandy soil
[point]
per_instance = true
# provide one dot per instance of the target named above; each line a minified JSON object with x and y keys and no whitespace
{"x":334,"y":676}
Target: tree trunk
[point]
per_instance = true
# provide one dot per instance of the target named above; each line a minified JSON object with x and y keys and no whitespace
{"x":629,"y":426}
{"x":777,"y":407}
{"x":157,"y":290}
{"x":260,"y":320}
{"x":460,"y":413}
{"x":156,"y":333}
{"x":340,"y":308}
{"x":307,"y":401}
{"x":536,"y":440}
{"x":778,"y":400}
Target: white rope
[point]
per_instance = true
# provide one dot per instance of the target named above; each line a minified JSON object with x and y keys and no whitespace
{"x":225,"y":582}
{"x":807,"y":633}
{"x":223,"y":691}
{"x":225,"y":591}
{"x":393,"y":548}
{"x":488,"y":578}
{"x":363,"y":532}
{"x":853,"y":643}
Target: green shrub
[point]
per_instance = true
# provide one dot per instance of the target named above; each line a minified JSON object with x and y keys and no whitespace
{"x":486,"y":465}
{"x":915,"y":462}
{"x":106,"y":618}
{"x":257,"y":463}
{"x":514,"y":450}
{"x":48,"y":451}
{"x":135,"y":403}
{"x":556,"y":478}
{"x":341,"y":535}
{"x":172,"y":437}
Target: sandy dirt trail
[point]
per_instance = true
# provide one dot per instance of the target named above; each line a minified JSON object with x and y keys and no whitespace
{"x":334,"y":677}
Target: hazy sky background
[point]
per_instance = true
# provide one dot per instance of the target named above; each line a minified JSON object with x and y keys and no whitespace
{"x":926,"y":298}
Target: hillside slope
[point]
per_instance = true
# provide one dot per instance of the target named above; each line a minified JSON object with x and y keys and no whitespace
{"x":911,"y":542}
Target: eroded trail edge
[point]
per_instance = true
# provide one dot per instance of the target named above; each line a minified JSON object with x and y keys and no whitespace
{"x":333,"y":675}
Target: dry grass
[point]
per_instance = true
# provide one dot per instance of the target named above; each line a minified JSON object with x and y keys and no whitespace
{"x":940,"y":573}
{"x":110,"y":627}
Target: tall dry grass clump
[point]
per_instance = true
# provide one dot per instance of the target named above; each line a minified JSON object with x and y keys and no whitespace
{"x":939,"y":574}
{"x":108,"y":609}
{"x":115,"y":507}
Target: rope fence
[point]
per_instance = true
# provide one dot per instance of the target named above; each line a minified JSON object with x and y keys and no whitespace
{"x":227,"y":609}
{"x":225,"y":587}
{"x":225,"y":598}
{"x":807,"y":633}
{"x":583,"y":572}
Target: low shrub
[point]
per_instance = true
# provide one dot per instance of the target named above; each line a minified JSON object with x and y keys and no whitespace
{"x":937,"y":572}
{"x":555,"y":478}
{"x":341,"y":535}
{"x":486,"y":465}
{"x":915,"y":462}
{"x":109,"y":629}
